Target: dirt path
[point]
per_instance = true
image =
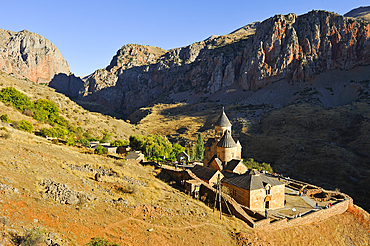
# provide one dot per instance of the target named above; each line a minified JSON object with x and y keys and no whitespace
{"x":118,"y":223}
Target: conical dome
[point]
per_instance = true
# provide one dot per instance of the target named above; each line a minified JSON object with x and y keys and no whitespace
{"x":227,"y":141}
{"x":223,"y":120}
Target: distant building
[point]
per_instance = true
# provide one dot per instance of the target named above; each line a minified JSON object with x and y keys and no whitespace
{"x":183,"y":158}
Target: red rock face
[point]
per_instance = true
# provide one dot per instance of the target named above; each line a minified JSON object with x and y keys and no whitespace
{"x":298,"y":48}
{"x":283,"y":47}
{"x":29,"y":55}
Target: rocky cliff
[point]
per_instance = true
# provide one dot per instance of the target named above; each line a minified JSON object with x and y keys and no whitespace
{"x":29,"y":55}
{"x":284,"y":47}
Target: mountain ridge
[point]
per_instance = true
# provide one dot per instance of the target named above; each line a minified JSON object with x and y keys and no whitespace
{"x":283,"y":47}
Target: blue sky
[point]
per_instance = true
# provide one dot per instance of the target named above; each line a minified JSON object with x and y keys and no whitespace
{"x":88,"y":32}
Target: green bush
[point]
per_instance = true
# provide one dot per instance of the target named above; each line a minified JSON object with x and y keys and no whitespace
{"x":5,"y":118}
{"x":119,"y":143}
{"x":98,"y":241}
{"x":10,"y":95}
{"x":25,"y":125}
{"x":55,"y":132}
{"x":45,"y":110}
{"x":107,"y":137}
{"x":84,"y":142}
{"x":252,"y":164}
{"x":100,"y":150}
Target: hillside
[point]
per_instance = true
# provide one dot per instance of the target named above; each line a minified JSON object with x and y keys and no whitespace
{"x":362,"y":13}
{"x":93,"y":123}
{"x":52,"y":187}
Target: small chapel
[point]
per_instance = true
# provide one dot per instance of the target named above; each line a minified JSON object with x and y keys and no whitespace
{"x":250,"y":188}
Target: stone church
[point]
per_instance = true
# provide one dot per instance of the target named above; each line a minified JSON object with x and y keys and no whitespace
{"x":250,"y":188}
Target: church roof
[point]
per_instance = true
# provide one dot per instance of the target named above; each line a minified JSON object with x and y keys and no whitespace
{"x":217,"y":160}
{"x":251,"y":182}
{"x":231,"y":165}
{"x":227,"y":141}
{"x":223,"y":120}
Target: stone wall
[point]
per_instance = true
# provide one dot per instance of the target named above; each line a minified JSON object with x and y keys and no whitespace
{"x":336,"y":209}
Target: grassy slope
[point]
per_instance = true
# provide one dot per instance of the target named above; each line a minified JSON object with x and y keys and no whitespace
{"x":94,"y":123}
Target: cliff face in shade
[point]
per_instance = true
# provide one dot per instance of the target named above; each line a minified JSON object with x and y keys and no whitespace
{"x":29,"y":55}
{"x":282,"y":47}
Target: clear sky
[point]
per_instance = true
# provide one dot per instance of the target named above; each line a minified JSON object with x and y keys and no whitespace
{"x":89,"y":32}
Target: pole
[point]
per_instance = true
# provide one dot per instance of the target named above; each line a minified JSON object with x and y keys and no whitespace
{"x":219,"y":194}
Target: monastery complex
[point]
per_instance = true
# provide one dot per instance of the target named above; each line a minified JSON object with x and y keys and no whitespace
{"x":250,"y":188}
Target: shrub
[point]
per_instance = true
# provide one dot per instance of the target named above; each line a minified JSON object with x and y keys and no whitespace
{"x":5,"y":118}
{"x":251,"y":163}
{"x":119,"y":143}
{"x":10,"y":95}
{"x":100,"y":150}
{"x":98,"y":241}
{"x":84,"y":142}
{"x":55,"y":132}
{"x":107,"y":136}
{"x":25,"y":125}
{"x":4,"y":133}
{"x":45,"y":110}
{"x":32,"y":238}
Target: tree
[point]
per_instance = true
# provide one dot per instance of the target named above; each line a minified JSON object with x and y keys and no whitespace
{"x":176,"y":150}
{"x":198,"y":148}
{"x":100,"y":150}
{"x":119,"y":143}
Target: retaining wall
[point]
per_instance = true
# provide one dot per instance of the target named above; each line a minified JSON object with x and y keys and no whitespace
{"x":322,"y":214}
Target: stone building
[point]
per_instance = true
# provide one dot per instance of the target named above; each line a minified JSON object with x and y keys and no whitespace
{"x":222,"y":149}
{"x":256,"y":191}
{"x":249,"y":188}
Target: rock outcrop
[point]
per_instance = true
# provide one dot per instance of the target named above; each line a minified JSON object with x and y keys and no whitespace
{"x":283,"y":47}
{"x":29,"y":55}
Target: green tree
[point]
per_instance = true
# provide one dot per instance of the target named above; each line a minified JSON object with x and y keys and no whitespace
{"x":84,"y":142}
{"x":198,"y":148}
{"x":100,"y":150}
{"x":10,"y":95}
{"x":119,"y":143}
{"x":176,"y":150}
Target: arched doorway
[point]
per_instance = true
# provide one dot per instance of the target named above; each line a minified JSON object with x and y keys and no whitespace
{"x":267,"y":202}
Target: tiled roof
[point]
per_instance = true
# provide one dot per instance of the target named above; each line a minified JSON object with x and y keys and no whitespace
{"x":223,"y":120}
{"x":218,"y":162}
{"x":227,"y":141}
{"x":231,"y":165}
{"x":251,"y":182}
{"x":204,"y":172}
